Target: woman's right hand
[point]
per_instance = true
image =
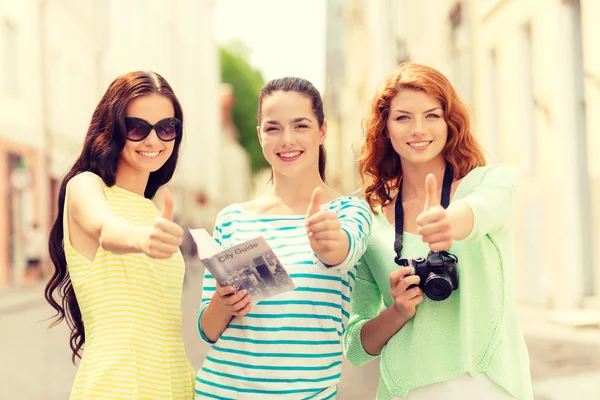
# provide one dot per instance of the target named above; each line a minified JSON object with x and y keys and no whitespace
{"x":235,"y":303}
{"x":164,"y":237}
{"x":405,"y":300}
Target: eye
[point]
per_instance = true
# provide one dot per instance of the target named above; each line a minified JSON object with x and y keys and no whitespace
{"x":433,"y":116}
{"x":402,"y":118}
{"x":270,"y":128}
{"x":301,"y":126}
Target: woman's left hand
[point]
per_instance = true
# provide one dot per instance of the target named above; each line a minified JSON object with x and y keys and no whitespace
{"x":433,"y":223}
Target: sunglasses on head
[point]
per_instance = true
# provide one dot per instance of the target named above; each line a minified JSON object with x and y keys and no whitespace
{"x":138,"y":129}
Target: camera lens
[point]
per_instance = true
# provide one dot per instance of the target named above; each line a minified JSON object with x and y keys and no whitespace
{"x":437,"y":287}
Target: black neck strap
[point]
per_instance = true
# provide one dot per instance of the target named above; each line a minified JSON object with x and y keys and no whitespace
{"x":399,"y":211}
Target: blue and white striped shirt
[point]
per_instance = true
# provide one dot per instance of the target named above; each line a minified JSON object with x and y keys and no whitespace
{"x":288,"y":345}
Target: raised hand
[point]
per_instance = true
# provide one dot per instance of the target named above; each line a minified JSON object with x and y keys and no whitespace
{"x":433,"y":223}
{"x":323,"y":227}
{"x":164,"y":237}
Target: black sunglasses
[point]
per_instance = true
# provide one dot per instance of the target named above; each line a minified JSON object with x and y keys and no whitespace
{"x":166,"y":129}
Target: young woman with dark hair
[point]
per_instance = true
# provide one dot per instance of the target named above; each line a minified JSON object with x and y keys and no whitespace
{"x":289,"y":345}
{"x":118,"y":269}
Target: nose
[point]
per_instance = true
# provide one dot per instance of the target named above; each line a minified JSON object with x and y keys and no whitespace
{"x":152,"y":139}
{"x":287,"y":137}
{"x":417,"y":127}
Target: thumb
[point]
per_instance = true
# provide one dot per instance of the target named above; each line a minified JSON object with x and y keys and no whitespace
{"x":167,"y":212}
{"x":315,"y":202}
{"x":431,"y":197}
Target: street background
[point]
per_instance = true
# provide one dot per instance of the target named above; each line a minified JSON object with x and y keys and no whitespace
{"x":529,"y":70}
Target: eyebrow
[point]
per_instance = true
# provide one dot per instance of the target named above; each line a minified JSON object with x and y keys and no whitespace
{"x":295,"y":120}
{"x":430,"y":110}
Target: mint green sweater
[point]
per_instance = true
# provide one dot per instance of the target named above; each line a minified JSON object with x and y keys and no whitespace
{"x":477,"y":329}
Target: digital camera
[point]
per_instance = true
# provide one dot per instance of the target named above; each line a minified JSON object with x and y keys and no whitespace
{"x":438,"y":273}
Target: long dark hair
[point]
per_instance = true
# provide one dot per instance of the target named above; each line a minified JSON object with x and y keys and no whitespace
{"x":298,"y":85}
{"x":100,"y":154}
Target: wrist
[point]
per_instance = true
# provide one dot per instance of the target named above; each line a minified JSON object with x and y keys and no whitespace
{"x":217,"y":305}
{"x":140,"y":236}
{"x":395,"y":318}
{"x":337,"y":253}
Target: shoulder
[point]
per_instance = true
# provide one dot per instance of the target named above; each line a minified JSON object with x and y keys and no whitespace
{"x":354,"y":203}
{"x":85,"y":183}
{"x":228,"y":213}
{"x":86,"y":177}
{"x":254,"y":206}
{"x":353,"y":210}
{"x":492,"y":174}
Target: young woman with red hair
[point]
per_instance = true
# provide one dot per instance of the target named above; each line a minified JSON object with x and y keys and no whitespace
{"x":425,"y":174}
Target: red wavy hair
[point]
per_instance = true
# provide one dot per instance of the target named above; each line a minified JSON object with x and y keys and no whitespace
{"x":379,"y":164}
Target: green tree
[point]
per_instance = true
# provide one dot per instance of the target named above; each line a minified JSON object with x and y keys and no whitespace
{"x":246,"y":83}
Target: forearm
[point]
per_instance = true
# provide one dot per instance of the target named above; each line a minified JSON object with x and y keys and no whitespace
{"x":377,"y":332}
{"x":338,"y":252}
{"x":461,"y":220}
{"x":214,"y":320}
{"x":119,"y":236}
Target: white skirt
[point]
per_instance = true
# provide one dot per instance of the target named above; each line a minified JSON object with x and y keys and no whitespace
{"x":466,"y":387}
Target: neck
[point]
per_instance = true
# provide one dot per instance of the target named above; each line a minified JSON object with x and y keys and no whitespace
{"x":130,"y":180}
{"x":413,"y":177}
{"x":294,"y":191}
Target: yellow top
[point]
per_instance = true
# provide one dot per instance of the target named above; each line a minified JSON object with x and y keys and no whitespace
{"x":131,"y":310}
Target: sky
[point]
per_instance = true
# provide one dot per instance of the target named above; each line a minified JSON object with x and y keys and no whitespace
{"x":285,"y":37}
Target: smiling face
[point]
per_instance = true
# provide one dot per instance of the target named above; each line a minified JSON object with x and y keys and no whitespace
{"x":289,"y":133}
{"x":151,"y":153}
{"x":416,"y":127}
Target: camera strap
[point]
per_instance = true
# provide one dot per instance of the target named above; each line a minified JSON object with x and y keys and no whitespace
{"x":399,"y":211}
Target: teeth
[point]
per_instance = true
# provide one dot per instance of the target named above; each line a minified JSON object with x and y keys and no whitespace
{"x":290,"y":155}
{"x":419,"y":144}
{"x":149,"y":153}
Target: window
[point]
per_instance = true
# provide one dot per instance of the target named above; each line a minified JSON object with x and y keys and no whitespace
{"x":492,"y":120}
{"x":530,"y":156}
{"x":10,"y":57}
{"x":460,"y":50}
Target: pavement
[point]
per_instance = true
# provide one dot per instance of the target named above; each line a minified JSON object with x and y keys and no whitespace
{"x":35,"y":361}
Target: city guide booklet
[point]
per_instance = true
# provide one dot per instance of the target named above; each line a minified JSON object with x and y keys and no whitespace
{"x":250,"y":265}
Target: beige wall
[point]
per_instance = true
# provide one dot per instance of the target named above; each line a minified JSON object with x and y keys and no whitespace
{"x":590,"y":11}
{"x":537,"y":112}
{"x":21,"y":130}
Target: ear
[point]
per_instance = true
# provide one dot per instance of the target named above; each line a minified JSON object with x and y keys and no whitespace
{"x":323,"y":133}
{"x":258,"y":133}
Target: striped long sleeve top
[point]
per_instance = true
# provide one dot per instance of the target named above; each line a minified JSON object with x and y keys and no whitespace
{"x":289,"y":345}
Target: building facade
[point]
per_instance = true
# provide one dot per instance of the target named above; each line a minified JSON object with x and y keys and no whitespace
{"x":362,"y":48}
{"x":530,"y":73}
{"x":23,"y":170}
{"x":59,"y":56}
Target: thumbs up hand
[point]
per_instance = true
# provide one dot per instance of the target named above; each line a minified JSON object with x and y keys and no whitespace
{"x":164,"y":237}
{"x":167,"y":212}
{"x":433,"y":223}
{"x":324,"y":229}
